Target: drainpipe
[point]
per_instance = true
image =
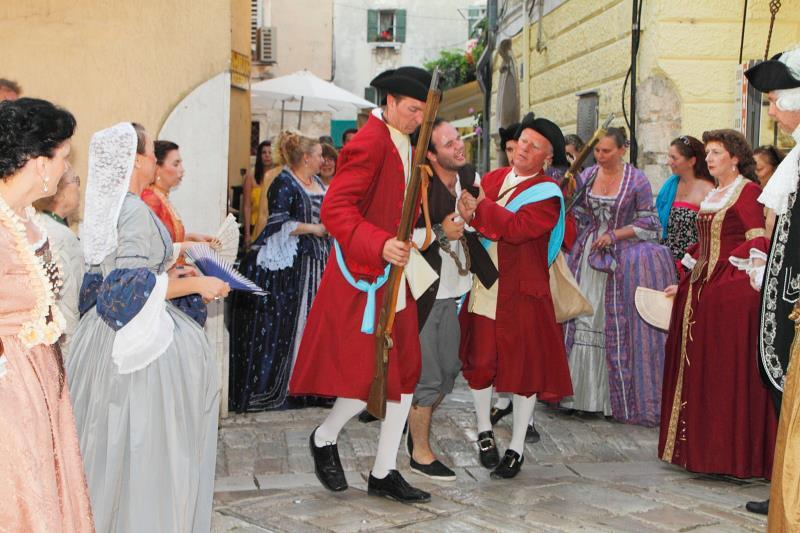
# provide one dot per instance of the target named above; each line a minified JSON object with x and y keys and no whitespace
{"x":485,"y":81}
{"x":524,"y":75}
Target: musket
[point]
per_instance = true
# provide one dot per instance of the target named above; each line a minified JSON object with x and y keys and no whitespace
{"x":568,"y":183}
{"x":376,"y":404}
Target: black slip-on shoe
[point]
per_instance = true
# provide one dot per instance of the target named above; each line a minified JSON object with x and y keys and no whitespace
{"x":758,"y":507}
{"x":495,"y":415}
{"x":396,"y":488}
{"x":436,"y":470}
{"x":365,"y":418}
{"x":508,"y":467}
{"x":531,"y":435}
{"x":487,"y":449}
{"x":327,"y":465}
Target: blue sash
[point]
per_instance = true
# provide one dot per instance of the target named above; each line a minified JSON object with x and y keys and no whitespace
{"x":537,"y":193}
{"x":368,"y":320}
{"x":664,"y":201}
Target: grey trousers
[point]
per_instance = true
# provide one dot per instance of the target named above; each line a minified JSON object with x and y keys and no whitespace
{"x":439,"y":342}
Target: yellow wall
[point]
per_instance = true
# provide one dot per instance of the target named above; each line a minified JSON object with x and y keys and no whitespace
{"x":692,"y":45}
{"x":239,"y":142}
{"x":114,"y":61}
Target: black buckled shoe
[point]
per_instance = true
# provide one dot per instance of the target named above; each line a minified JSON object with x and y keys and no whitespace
{"x":758,"y":507}
{"x":508,"y":467}
{"x":495,"y":415}
{"x":327,"y":465}
{"x":487,"y":449}
{"x":531,"y":435}
{"x":396,"y":488}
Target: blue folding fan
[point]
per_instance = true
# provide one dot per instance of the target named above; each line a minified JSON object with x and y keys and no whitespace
{"x":211,"y":264}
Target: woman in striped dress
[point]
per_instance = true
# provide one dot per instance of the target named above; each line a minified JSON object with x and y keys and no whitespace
{"x":286,"y":259}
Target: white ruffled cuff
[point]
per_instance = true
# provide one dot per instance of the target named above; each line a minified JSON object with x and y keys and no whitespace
{"x":644,"y":234}
{"x":280,"y":249}
{"x":753,"y":265}
{"x":688,"y":261}
{"x":148,"y":335}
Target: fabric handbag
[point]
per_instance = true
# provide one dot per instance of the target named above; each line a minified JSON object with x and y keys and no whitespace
{"x":568,"y":300}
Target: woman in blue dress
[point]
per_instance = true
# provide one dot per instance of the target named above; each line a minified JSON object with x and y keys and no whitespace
{"x":142,"y":376}
{"x":286,"y":259}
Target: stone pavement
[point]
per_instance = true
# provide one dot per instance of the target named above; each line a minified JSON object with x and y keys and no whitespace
{"x":586,"y":474}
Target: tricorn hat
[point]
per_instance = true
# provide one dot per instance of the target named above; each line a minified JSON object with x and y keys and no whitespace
{"x":511,"y":133}
{"x":551,"y":132}
{"x":774,"y":74}
{"x":405,"y":81}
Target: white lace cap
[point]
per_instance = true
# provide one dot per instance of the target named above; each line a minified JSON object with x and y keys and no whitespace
{"x":112,"y":153}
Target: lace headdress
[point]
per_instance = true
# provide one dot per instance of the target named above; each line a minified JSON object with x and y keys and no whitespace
{"x":112,"y":153}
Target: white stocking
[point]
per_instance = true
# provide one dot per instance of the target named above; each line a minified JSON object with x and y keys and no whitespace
{"x":483,"y":407}
{"x":534,"y":410}
{"x":523,"y":410}
{"x":343,"y":410}
{"x":503,"y":400}
{"x":391,"y":435}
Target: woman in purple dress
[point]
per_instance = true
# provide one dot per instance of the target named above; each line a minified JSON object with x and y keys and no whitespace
{"x":616,"y":359}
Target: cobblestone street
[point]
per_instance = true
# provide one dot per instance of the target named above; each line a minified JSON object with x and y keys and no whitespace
{"x":587,"y":473}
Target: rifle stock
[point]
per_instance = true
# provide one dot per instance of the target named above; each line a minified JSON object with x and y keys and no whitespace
{"x":376,"y":404}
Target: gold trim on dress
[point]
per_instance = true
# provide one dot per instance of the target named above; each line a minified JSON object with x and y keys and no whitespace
{"x":755,"y":233}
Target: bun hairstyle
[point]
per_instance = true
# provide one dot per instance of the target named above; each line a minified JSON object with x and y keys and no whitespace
{"x":689,"y":147}
{"x":162,"y":149}
{"x":31,"y":128}
{"x":619,"y":136}
{"x":737,"y":146}
{"x":294,"y":146}
{"x":772,"y":154}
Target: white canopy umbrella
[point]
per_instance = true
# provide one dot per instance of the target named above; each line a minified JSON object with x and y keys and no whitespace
{"x":302,"y":86}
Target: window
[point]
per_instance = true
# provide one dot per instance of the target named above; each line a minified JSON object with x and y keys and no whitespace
{"x":255,"y":22}
{"x":474,"y":15}
{"x":371,"y":94}
{"x":386,"y":25}
{"x":588,"y":118}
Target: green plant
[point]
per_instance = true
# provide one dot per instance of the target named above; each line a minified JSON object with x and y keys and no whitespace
{"x":454,"y":68}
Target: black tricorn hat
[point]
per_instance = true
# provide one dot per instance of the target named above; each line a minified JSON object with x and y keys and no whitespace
{"x":405,"y":81}
{"x":549,"y":131}
{"x":772,"y":75}
{"x":510,"y":133}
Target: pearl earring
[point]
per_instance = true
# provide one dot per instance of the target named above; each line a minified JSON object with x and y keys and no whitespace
{"x":45,"y":180}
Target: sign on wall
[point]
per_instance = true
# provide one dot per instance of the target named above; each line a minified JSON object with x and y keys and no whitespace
{"x":240,"y":71}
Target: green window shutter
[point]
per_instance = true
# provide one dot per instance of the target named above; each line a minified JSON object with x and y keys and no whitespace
{"x":400,"y":26}
{"x":371,"y":94}
{"x":372,"y":25}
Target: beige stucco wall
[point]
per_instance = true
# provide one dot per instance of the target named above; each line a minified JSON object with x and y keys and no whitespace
{"x":305,"y":36}
{"x":113,"y":61}
{"x":686,"y":69}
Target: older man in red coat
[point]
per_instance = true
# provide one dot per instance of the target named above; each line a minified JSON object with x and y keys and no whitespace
{"x":362,"y":212}
{"x":510,"y":337}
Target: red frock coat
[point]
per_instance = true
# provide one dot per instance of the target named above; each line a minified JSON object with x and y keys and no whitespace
{"x":522,"y":351}
{"x":361,"y":210}
{"x":716,"y":415}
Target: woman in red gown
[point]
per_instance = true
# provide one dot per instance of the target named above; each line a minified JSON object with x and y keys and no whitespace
{"x":716,"y":416}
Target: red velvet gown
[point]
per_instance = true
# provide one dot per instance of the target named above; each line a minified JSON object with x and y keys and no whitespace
{"x":361,"y":211}
{"x":716,"y":416}
{"x":522,"y":350}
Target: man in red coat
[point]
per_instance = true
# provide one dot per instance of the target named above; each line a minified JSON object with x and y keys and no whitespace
{"x":362,"y":212}
{"x":510,"y":337}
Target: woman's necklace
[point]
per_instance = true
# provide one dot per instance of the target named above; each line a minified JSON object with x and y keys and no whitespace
{"x":46,"y":323}
{"x":609,"y":183}
{"x":305,"y":183}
